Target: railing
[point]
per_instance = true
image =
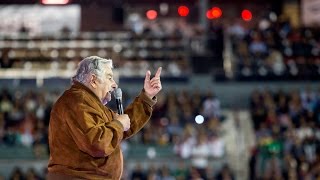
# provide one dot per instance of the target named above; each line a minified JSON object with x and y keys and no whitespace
{"x":70,"y":46}
{"x":57,"y":56}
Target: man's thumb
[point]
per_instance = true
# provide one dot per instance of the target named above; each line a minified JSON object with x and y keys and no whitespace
{"x":148,"y":74}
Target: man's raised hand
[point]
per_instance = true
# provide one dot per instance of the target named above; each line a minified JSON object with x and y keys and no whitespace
{"x":152,"y":86}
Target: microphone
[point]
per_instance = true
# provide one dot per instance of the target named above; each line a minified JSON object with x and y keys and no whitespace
{"x":118,"y":96}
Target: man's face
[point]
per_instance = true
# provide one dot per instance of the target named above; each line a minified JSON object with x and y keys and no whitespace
{"x":105,"y":86}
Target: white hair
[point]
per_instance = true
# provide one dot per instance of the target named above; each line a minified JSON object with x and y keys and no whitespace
{"x":91,"y":65}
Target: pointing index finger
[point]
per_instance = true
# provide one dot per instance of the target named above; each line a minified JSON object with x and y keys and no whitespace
{"x":158,"y":73}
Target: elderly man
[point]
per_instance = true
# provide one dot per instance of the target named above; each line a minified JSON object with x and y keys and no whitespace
{"x":84,"y":134}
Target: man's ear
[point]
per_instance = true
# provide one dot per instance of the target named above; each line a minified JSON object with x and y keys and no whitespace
{"x":93,"y":81}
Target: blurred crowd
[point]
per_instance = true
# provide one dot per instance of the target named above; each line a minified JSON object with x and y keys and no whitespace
{"x":287,"y":128}
{"x":160,"y":43}
{"x":174,"y":123}
{"x":24,"y":118}
{"x":275,"y":49}
{"x":269,"y":48}
{"x":286,"y":124}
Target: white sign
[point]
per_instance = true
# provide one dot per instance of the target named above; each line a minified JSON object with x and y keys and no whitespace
{"x":39,"y":19}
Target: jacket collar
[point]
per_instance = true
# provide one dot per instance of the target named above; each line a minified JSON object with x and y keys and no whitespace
{"x":79,"y":85}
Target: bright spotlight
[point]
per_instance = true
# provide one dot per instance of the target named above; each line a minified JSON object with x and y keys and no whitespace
{"x":199,"y":119}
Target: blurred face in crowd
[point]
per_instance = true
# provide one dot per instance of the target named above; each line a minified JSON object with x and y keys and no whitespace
{"x":104,"y":86}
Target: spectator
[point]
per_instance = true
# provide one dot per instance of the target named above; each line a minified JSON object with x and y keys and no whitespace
{"x":199,"y":155}
{"x":5,"y":61}
{"x":211,"y":106}
{"x":138,"y":173}
{"x":224,"y":174}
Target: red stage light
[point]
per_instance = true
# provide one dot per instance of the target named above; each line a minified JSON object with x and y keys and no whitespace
{"x":54,"y":1}
{"x":216,"y":12}
{"x":183,"y":11}
{"x":209,"y":14}
{"x":152,"y":14}
{"x":246,"y":15}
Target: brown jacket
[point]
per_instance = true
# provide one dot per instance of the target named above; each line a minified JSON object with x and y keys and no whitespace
{"x":84,"y":137}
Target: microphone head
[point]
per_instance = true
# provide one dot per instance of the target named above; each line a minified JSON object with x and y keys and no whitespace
{"x":118,"y":93}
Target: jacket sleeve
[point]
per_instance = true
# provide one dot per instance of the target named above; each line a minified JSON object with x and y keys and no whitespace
{"x":139,"y":111}
{"x":91,"y":132}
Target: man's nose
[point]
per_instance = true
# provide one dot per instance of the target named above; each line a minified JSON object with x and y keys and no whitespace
{"x":115,"y":85}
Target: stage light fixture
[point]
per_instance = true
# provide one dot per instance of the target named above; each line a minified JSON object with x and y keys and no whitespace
{"x":151,"y":14}
{"x":183,"y":11}
{"x":54,"y":2}
{"x":246,"y":15}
